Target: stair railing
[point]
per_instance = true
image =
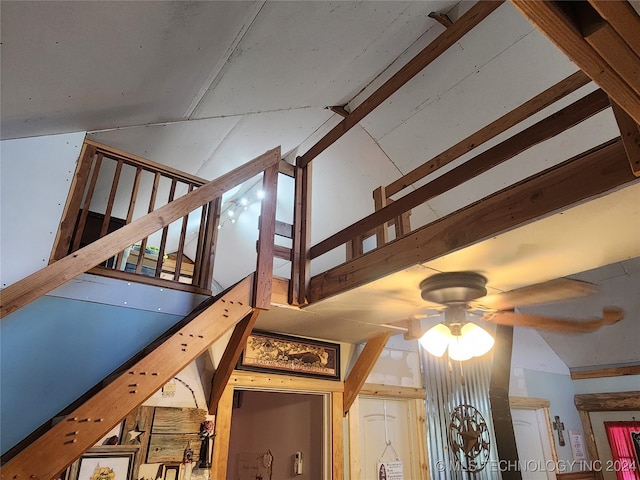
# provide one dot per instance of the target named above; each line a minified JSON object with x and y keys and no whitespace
{"x":112,"y":244}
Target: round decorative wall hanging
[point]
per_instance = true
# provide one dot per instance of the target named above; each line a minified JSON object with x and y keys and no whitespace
{"x":469,"y":438}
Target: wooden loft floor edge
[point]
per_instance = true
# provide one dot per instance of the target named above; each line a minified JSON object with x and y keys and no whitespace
{"x":58,"y":447}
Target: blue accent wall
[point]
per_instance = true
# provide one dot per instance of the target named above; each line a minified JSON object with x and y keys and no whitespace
{"x":559,"y":390}
{"x":53,"y":350}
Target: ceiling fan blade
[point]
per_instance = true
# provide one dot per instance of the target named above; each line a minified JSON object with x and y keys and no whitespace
{"x":547,"y":292}
{"x":610,"y":315}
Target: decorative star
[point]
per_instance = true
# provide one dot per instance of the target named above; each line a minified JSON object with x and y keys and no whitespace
{"x":134,"y":434}
{"x":470,"y":438}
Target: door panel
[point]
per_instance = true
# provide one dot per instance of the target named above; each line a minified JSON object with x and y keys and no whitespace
{"x":378,"y":442}
{"x":532,"y":440}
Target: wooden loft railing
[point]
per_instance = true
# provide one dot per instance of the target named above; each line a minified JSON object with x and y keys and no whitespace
{"x":383,"y":195}
{"x":593,"y":173}
{"x":537,"y":133}
{"x":584,"y":176}
{"x":107,"y":194}
{"x":113,"y":244}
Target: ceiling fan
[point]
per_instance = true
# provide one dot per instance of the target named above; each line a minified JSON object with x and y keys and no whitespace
{"x":460,"y":293}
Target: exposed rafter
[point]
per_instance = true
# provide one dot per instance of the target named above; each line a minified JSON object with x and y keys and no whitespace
{"x":623,"y":18}
{"x":450,"y":36}
{"x":568,"y":24}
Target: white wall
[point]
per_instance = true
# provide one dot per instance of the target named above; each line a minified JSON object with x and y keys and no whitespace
{"x":531,"y":352}
{"x":35,"y":175}
{"x":398,"y":364}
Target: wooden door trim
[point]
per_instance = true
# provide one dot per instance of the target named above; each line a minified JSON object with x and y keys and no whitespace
{"x":602,"y":402}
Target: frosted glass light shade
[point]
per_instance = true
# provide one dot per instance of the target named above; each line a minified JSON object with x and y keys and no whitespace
{"x":436,"y":339}
{"x":459,"y":349}
{"x":477,"y":340}
{"x":472,"y":341}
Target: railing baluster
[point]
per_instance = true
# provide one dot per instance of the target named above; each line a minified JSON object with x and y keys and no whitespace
{"x":87,"y":203}
{"x":84,"y":223}
{"x":165,"y":230}
{"x":199,"y":248}
{"x":74,"y":204}
{"x":210,"y":243}
{"x":181,"y":242}
{"x":132,"y":205}
{"x":143,"y":242}
{"x":112,"y":197}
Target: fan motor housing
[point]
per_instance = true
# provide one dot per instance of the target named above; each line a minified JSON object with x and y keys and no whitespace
{"x":453,"y":287}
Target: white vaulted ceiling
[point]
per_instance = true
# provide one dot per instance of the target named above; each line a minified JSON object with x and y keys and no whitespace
{"x":206,"y":86}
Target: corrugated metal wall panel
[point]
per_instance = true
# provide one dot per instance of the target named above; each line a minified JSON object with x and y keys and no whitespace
{"x":450,"y":384}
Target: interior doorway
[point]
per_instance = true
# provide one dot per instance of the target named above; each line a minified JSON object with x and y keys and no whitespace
{"x":534,"y":443}
{"x":537,"y":454}
{"x":386,"y":432}
{"x":277,"y":435}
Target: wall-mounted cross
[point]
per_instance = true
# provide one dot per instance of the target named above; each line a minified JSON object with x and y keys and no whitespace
{"x":559,"y":427}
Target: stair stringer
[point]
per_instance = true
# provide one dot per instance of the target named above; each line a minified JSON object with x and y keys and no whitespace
{"x":61,"y":445}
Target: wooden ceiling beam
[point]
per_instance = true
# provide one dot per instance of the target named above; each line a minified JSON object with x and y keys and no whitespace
{"x":561,"y":29}
{"x":623,"y":18}
{"x":362,"y":368}
{"x":449,"y":37}
{"x":585,"y":176}
{"x":613,"y":49}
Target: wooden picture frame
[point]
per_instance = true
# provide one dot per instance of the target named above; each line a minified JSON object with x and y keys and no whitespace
{"x":105,"y":463}
{"x":117,"y":432}
{"x":287,"y":355}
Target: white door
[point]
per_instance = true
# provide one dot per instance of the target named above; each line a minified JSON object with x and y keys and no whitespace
{"x":387,"y":433}
{"x":534,"y":445}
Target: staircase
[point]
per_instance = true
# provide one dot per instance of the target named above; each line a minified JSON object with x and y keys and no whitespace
{"x":91,"y":417}
{"x":56,"y":449}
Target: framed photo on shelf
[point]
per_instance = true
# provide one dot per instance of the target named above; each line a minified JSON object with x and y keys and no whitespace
{"x":105,"y":463}
{"x":275,"y":353}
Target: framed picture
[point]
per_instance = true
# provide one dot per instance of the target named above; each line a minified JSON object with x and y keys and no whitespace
{"x":172,"y":472}
{"x":114,"y":437}
{"x":106,"y":463}
{"x":635,"y":439}
{"x":275,"y":353}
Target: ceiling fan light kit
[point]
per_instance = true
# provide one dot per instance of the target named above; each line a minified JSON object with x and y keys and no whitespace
{"x":453,"y":287}
{"x":463,"y":291}
{"x":463,"y":341}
